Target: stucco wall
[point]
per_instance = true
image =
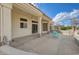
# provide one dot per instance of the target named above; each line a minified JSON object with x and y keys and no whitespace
{"x":0,"y":20}
{"x":6,"y":22}
{"x":16,"y":30}
{"x":20,"y":32}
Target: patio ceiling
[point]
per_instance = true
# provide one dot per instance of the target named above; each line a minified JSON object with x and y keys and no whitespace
{"x":27,"y":8}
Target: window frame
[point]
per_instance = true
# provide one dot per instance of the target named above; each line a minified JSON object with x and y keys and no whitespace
{"x":23,"y":23}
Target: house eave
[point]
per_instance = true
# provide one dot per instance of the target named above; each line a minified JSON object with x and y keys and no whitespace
{"x":44,"y":15}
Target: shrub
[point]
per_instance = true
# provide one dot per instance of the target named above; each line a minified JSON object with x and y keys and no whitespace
{"x":66,"y":28}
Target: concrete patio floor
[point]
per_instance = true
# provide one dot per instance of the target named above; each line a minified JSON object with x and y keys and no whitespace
{"x":48,"y":45}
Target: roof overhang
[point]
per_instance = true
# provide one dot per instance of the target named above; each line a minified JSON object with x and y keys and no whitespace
{"x":46,"y":18}
{"x":26,"y":7}
{"x":29,"y":8}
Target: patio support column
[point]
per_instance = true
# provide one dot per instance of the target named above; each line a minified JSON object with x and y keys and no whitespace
{"x":6,"y":22}
{"x":40,"y":26}
{"x":0,"y":25}
{"x":49,"y":26}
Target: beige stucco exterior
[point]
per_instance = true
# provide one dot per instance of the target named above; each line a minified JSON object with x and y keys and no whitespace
{"x":0,"y":21}
{"x":10,"y":20}
{"x":16,"y":30}
{"x":6,"y":21}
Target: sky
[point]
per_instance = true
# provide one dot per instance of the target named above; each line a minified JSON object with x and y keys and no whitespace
{"x":60,"y":12}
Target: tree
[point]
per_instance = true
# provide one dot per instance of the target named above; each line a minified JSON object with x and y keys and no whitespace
{"x":74,"y":24}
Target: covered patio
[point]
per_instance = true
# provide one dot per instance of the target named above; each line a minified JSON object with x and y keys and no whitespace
{"x":20,"y":20}
{"x":48,"y":45}
{"x":18,"y":36}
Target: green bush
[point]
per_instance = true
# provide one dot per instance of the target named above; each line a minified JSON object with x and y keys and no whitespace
{"x":78,"y":28}
{"x":66,"y":28}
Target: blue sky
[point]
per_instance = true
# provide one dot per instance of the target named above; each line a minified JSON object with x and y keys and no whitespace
{"x":52,"y":9}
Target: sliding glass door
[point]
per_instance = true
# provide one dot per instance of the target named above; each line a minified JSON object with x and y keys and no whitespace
{"x":34,"y":28}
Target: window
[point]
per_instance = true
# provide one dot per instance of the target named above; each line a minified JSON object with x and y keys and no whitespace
{"x":34,"y":22}
{"x":45,"y":27}
{"x":23,"y":23}
{"x":22,"y":19}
